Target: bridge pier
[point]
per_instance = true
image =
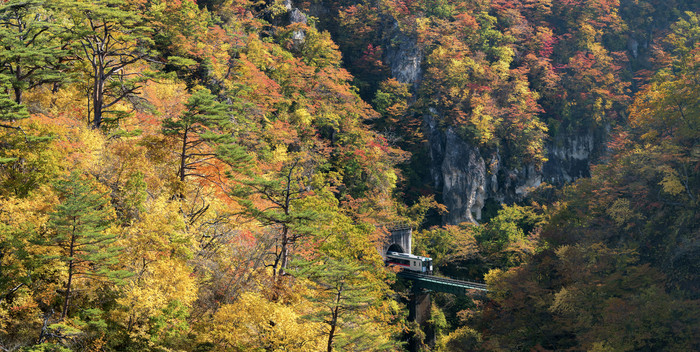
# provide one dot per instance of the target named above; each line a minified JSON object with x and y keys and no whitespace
{"x":419,"y":312}
{"x":420,"y":303}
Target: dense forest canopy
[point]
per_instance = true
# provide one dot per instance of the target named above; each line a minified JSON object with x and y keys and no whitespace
{"x":214,"y":175}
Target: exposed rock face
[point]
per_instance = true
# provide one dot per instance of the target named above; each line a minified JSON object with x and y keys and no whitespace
{"x":296,"y":16}
{"x":633,"y":46}
{"x":463,"y":170}
{"x":466,"y":176}
{"x":570,"y":156}
{"x":465,"y":180}
{"x":459,"y":170}
{"x":403,"y":56}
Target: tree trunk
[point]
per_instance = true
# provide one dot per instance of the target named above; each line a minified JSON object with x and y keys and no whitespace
{"x":183,"y":155}
{"x":42,"y":334}
{"x":98,"y":97}
{"x":18,"y":95}
{"x":70,"y":275}
{"x":17,"y":88}
{"x":68,"y":287}
{"x":331,"y":334}
{"x":285,"y":228}
{"x":334,"y":319}
{"x":284,"y":255}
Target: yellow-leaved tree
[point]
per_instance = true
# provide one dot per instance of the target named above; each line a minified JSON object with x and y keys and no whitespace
{"x":254,"y":323}
{"x":156,"y":301}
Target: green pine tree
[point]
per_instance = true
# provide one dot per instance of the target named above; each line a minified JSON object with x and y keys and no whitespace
{"x":24,"y":152}
{"x":80,"y":226}
{"x":10,"y":110}
{"x":30,"y":50}
{"x":284,"y":189}
{"x":110,"y":36}
{"x":344,"y":290}
{"x":202,"y":132}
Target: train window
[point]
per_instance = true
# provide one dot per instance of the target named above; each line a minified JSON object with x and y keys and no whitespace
{"x":399,"y":261}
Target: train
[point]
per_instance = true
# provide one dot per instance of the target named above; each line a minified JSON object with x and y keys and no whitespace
{"x":410,"y":262}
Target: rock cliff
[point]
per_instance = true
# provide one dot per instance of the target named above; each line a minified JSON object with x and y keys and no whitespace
{"x":465,"y":175}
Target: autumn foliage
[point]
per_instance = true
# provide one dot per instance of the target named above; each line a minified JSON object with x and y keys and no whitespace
{"x":180,"y":175}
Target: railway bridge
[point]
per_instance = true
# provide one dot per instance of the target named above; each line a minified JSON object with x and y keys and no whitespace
{"x":443,"y":284}
{"x":419,"y":307}
{"x":399,"y":239}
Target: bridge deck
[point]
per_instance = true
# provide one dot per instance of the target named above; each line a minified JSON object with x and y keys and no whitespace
{"x":441,"y":284}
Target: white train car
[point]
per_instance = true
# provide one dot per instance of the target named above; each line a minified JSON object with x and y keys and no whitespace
{"x":410,"y":262}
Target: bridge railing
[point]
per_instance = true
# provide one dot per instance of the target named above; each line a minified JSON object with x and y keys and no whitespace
{"x":442,"y":284}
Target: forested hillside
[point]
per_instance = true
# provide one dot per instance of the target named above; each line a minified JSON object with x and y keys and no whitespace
{"x":214,"y":175}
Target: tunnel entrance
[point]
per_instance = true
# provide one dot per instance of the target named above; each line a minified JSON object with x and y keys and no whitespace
{"x":395,"y":248}
{"x":398,"y":239}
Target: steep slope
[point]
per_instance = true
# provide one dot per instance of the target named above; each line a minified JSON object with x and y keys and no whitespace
{"x":509,"y":94}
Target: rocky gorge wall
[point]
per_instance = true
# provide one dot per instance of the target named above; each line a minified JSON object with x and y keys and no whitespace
{"x":466,"y":176}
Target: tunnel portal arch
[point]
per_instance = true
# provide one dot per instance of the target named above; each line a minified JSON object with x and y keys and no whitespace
{"x":395,"y":248}
{"x":398,"y":237}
